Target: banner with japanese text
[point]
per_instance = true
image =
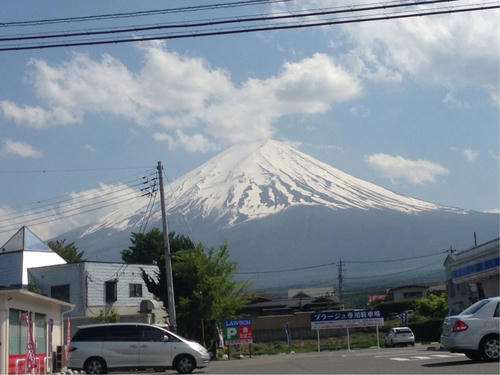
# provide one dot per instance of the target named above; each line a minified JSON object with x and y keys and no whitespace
{"x":347,"y":319}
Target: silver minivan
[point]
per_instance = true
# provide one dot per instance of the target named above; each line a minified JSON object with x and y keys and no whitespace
{"x":98,"y":348}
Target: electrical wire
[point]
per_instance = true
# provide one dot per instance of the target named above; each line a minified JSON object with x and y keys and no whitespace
{"x":22,"y":220}
{"x":248,"y":30}
{"x":336,"y":263}
{"x":41,"y":203}
{"x":60,"y":217}
{"x":222,"y":21}
{"x":63,"y":204}
{"x":234,"y":4}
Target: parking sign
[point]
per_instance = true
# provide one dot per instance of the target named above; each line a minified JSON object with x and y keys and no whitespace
{"x":238,"y":331}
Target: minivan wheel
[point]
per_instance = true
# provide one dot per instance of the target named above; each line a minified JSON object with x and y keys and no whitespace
{"x":95,"y":365}
{"x":489,"y":348}
{"x":185,"y":364}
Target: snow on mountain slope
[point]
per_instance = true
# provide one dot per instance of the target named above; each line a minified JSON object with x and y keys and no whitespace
{"x":259,"y":179}
{"x":255,"y":180}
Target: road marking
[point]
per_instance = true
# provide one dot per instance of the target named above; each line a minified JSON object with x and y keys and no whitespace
{"x":421,"y":357}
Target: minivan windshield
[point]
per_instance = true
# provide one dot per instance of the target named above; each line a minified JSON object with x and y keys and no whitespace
{"x":475,"y":307}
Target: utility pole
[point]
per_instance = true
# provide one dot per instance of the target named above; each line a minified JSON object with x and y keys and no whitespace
{"x":168,"y":258}
{"x":341,"y":283}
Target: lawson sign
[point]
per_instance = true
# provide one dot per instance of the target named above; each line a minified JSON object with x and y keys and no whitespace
{"x":238,"y":331}
{"x":347,"y":319}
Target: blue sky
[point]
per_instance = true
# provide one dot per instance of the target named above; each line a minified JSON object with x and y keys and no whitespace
{"x":411,"y":105}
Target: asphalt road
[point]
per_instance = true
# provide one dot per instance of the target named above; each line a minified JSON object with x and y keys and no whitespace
{"x":409,"y":360}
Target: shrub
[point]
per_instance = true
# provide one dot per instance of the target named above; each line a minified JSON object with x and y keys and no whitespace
{"x":427,"y":330}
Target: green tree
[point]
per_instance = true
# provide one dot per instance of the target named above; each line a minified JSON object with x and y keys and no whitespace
{"x":147,"y":248}
{"x":434,"y":306}
{"x":205,"y":292}
{"x":68,"y":252}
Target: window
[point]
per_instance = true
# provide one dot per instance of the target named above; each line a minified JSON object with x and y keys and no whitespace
{"x":41,"y":333}
{"x":412,"y":295}
{"x":121,"y":332}
{"x":60,"y":292}
{"x":151,"y":334}
{"x":475,"y":307}
{"x":497,"y":313}
{"x":135,"y":290}
{"x":110,"y":290}
{"x":18,"y":332}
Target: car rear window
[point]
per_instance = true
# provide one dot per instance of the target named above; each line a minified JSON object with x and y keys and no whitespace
{"x":403,"y":331}
{"x":475,"y":307}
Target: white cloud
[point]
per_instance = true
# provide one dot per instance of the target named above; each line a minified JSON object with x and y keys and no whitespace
{"x":398,"y":168}
{"x":454,"y":51}
{"x":89,"y":148}
{"x":470,"y":155}
{"x":10,"y":147}
{"x":180,"y":93}
{"x":192,"y":143}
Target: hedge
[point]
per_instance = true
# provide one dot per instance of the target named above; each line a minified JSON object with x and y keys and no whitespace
{"x":428,"y":330}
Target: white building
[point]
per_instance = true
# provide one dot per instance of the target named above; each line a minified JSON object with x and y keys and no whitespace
{"x":472,"y":274}
{"x":101,"y":286}
{"x":22,"y":251}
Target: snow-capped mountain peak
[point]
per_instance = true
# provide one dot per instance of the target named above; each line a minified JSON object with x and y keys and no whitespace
{"x":262,"y":178}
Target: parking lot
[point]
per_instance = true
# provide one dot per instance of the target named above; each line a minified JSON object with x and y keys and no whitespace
{"x":409,"y":360}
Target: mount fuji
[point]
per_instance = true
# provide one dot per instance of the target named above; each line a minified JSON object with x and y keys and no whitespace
{"x":279,"y":208}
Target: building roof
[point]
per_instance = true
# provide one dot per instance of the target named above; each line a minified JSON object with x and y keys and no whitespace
{"x":24,"y":240}
{"x":7,"y":291}
{"x":408,"y":287}
{"x":22,"y":251}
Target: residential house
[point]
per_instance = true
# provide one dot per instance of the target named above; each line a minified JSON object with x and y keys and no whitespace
{"x":97,"y":288}
{"x":407,"y":293}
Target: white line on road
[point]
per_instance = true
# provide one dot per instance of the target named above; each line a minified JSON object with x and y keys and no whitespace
{"x":420,"y":357}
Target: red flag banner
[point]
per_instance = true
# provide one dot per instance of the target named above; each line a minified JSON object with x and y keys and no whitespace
{"x":30,"y":347}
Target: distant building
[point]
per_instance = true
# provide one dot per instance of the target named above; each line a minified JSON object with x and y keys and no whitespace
{"x":22,"y":251}
{"x":311,"y":292}
{"x":378,"y":297}
{"x":407,"y":293}
{"x":472,"y":274}
{"x":100,"y":286}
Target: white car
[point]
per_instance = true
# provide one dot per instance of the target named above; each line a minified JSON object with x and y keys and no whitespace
{"x":98,"y":348}
{"x":399,"y":336}
{"x":474,"y":331}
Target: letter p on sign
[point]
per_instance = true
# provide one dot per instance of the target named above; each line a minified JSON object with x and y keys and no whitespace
{"x":232,"y":333}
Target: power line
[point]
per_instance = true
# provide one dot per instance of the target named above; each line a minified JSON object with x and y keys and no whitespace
{"x":390,"y":260}
{"x":63,"y":204}
{"x":286,"y":270}
{"x":395,"y":259}
{"x":248,"y":30}
{"x":17,"y":171}
{"x":60,"y":217}
{"x":234,"y":4}
{"x":22,"y":219}
{"x":222,"y":21}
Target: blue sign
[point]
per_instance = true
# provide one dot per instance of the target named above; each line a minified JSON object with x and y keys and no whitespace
{"x":238,"y":323}
{"x":353,"y":318}
{"x":471,"y":269}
